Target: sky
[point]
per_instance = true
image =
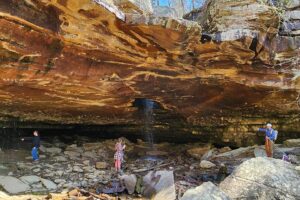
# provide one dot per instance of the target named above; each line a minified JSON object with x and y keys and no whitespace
{"x":165,"y":3}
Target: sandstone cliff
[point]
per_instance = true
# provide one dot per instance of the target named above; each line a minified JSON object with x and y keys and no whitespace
{"x":222,"y":75}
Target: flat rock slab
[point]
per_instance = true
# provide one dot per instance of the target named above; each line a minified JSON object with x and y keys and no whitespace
{"x":159,"y":185}
{"x":206,"y":191}
{"x":13,"y":185}
{"x":49,"y":184}
{"x":30,"y":179}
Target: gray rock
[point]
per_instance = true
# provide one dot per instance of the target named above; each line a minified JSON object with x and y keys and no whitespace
{"x":13,"y":185}
{"x":30,"y":179}
{"x":236,"y":152}
{"x":72,"y":153}
{"x":59,"y":173}
{"x":208,"y":154}
{"x":159,"y":185}
{"x":60,"y":159}
{"x":49,"y":184}
{"x":77,"y":169}
{"x":206,"y":191}
{"x":292,"y":143}
{"x":89,"y":154}
{"x":36,"y":170}
{"x":206,"y":164}
{"x":263,"y":178}
{"x":129,"y":182}
{"x":58,"y":181}
{"x":260,"y":152}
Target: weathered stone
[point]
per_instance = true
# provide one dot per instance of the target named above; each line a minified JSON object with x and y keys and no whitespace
{"x":77,"y":169}
{"x":263,"y":178}
{"x":234,"y":50}
{"x":129,"y":182}
{"x":13,"y":185}
{"x":60,"y":159}
{"x":292,"y":143}
{"x":72,"y":153}
{"x":236,"y":152}
{"x":159,"y":185}
{"x":198,"y":152}
{"x":206,"y":191}
{"x":49,"y":184}
{"x":30,"y":179}
{"x":89,"y":154}
{"x":260,"y":152}
{"x":101,"y":165}
{"x":206,"y":164}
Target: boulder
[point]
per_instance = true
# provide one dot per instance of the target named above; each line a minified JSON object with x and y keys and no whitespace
{"x":236,"y":152}
{"x":292,"y":143}
{"x":13,"y":185}
{"x":129,"y":182}
{"x":206,"y":191}
{"x":297,"y":168}
{"x":198,"y":152}
{"x":263,"y":178}
{"x":49,"y":184}
{"x":30,"y":179}
{"x":159,"y":185}
{"x":206,"y":164}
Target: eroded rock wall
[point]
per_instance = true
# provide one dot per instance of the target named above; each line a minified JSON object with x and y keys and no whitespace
{"x":85,"y":62}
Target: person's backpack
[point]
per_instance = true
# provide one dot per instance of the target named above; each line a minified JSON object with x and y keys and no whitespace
{"x":275,"y":134}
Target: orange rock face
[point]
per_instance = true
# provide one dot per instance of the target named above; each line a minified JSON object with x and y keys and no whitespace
{"x":79,"y":62}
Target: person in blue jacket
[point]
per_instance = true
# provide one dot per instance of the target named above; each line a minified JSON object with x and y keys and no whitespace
{"x":36,"y":145}
{"x":269,"y":139}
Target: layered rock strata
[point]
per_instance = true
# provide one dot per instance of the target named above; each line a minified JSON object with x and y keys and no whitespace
{"x":85,"y":62}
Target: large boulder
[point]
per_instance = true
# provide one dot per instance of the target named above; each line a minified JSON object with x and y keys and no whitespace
{"x":206,"y":191}
{"x":129,"y":182}
{"x":292,"y":143}
{"x":263,"y":178}
{"x":13,"y":185}
{"x":159,"y":185}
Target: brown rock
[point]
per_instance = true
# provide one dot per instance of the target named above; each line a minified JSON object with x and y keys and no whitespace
{"x":101,"y":165}
{"x":198,"y":152}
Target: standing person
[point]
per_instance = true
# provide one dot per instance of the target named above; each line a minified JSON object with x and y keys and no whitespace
{"x":269,"y":139}
{"x":119,"y":155}
{"x":36,"y":145}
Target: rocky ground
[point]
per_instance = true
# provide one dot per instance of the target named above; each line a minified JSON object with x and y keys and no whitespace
{"x":148,"y":171}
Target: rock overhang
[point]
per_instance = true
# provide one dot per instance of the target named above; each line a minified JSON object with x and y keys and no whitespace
{"x":81,"y":64}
